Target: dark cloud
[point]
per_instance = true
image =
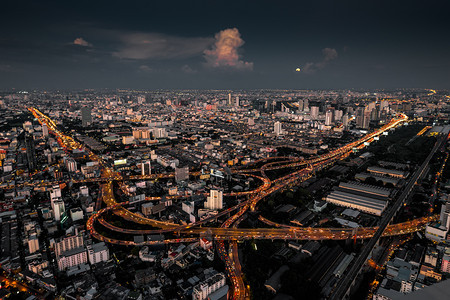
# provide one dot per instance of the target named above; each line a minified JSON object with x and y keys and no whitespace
{"x":329,"y":54}
{"x":173,"y":43}
{"x":188,"y":70}
{"x":144,"y":46}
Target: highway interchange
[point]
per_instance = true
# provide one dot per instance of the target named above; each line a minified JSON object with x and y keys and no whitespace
{"x":229,"y":232}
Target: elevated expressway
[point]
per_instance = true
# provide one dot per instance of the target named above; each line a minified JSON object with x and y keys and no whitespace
{"x":229,"y":231}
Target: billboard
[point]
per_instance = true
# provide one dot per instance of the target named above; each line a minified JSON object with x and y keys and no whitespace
{"x":120,"y":162}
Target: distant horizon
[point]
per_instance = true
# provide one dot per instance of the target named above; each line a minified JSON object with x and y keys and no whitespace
{"x":18,"y":90}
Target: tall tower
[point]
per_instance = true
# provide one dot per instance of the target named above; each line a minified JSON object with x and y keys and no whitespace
{"x":328,"y":117}
{"x":277,"y":128}
{"x":229,"y":99}
{"x":86,"y":117}
{"x":360,"y":117}
{"x":146,"y":168}
{"x":314,"y":112}
{"x":300,"y":105}
{"x":345,"y":121}
{"x":215,"y":200}
{"x":237,"y":101}
{"x":44,"y":130}
{"x":338,"y":115}
{"x":31,"y":152}
{"x":366,"y":121}
{"x":305,"y":105}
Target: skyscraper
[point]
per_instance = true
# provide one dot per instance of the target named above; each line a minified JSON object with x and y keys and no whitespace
{"x":384,"y":105}
{"x":277,"y":128}
{"x":328,"y":117}
{"x":366,"y":121}
{"x":314,"y":112}
{"x":237,"y":101}
{"x":31,"y":152}
{"x":300,"y":105}
{"x":305,"y":105}
{"x":215,"y":200}
{"x":338,"y":115}
{"x":374,"y":114}
{"x":55,"y":192}
{"x":86,"y":117}
{"x":229,"y":99}
{"x":360,"y":117}
{"x":44,"y":130}
{"x":345,"y":120}
{"x":146,"y":168}
{"x":58,"y":209}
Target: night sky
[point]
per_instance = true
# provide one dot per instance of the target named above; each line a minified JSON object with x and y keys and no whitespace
{"x":225,"y":44}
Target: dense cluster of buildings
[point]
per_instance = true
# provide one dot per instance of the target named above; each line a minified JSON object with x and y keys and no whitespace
{"x":49,"y":191}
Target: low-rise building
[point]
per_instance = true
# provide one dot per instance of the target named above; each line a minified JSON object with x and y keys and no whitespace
{"x":209,"y":286}
{"x":364,"y":204}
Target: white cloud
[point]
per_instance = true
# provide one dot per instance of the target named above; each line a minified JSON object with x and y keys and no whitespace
{"x":225,"y":54}
{"x":81,"y":42}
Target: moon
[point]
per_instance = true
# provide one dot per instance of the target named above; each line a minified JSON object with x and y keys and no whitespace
{"x":297,"y":70}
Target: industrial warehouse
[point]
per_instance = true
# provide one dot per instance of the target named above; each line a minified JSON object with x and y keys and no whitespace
{"x":363,"y":197}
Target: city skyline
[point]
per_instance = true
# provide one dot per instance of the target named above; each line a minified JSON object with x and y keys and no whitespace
{"x":227,"y":45}
{"x":182,"y":195}
{"x":224,"y":149}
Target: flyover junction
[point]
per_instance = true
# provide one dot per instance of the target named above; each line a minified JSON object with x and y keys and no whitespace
{"x":229,"y":232}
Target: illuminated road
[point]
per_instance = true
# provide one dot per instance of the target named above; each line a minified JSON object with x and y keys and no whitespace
{"x":345,"y":283}
{"x":229,"y":230}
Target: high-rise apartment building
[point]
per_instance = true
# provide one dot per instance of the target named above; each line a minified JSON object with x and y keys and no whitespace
{"x":360,"y":117}
{"x":445,"y":264}
{"x":44,"y":130}
{"x":69,"y":242}
{"x":33,"y":243}
{"x":146,"y":168}
{"x":86,"y":116}
{"x":305,"y":104}
{"x":31,"y":152}
{"x":300,"y":105}
{"x":55,"y":192}
{"x":338,"y":115}
{"x":345,"y":121}
{"x":72,"y":258}
{"x":314,"y":112}
{"x":97,"y":253}
{"x":366,"y":121}
{"x":215,"y":200}
{"x":328,"y":117}
{"x":181,"y":173}
{"x":58,"y":209}
{"x":277,"y":129}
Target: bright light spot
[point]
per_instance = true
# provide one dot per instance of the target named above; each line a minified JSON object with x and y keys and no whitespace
{"x":297,"y":70}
